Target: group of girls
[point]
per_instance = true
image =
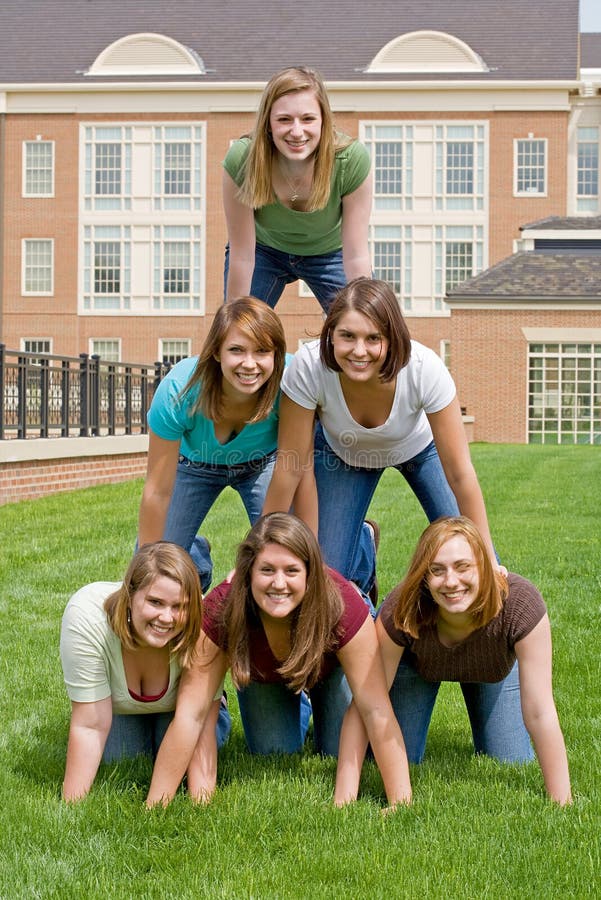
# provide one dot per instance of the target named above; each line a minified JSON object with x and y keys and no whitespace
{"x":145,"y":660}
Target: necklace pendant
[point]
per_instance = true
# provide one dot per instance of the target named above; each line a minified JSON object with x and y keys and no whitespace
{"x":294,"y":197}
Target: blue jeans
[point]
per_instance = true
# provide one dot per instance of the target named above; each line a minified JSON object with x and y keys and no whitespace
{"x":494,"y":711}
{"x":274,"y":269}
{"x":197,"y":486}
{"x":143,"y":733}
{"x":275,"y":719}
{"x":345,"y":492}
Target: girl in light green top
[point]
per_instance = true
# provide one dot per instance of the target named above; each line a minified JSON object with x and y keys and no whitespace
{"x":123,"y":646}
{"x":297,"y":197}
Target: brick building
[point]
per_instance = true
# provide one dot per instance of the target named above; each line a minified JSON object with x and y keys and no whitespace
{"x":480,"y":117}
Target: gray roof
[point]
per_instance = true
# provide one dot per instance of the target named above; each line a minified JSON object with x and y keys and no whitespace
{"x":241,"y":40}
{"x":536,"y":276}
{"x":565,"y":223}
{"x":590,"y":50}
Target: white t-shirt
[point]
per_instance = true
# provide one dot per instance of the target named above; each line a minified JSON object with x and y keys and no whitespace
{"x":423,"y":386}
{"x":92,"y":660}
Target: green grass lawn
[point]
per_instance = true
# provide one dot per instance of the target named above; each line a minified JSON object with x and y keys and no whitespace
{"x":476,"y":829}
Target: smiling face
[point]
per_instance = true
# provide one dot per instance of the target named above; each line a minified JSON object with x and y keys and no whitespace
{"x":295,"y":124}
{"x":157,"y":612}
{"x":245,"y":366}
{"x":453,"y":578}
{"x":359,"y":347}
{"x":278,"y":581}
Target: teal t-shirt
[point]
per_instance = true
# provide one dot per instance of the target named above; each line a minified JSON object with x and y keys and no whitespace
{"x":170,"y":416}
{"x":305,"y":233}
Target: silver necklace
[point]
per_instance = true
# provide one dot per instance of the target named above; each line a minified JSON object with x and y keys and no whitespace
{"x":294,"y":186}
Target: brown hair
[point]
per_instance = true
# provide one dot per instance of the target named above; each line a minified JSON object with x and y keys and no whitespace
{"x":149,"y":563}
{"x":262,"y":325}
{"x":377,"y":301}
{"x":413,"y":602}
{"x":257,"y":188}
{"x":315,"y":620}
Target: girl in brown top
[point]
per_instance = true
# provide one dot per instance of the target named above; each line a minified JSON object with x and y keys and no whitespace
{"x":453,"y":618}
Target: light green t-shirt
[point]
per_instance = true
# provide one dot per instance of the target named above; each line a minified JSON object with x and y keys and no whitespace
{"x":305,"y":233}
{"x":92,"y":660}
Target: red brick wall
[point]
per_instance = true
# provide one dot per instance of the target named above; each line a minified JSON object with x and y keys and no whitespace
{"x":28,"y":479}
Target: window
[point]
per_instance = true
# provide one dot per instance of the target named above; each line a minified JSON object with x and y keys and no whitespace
{"x":587,"y":190}
{"x":108,"y":349}
{"x":177,"y":167}
{"x":38,"y":259}
{"x":391,"y":150}
{"x":392,"y":259}
{"x":176,"y":267}
{"x":564,"y":393}
{"x":172,"y":350}
{"x":36,"y":345}
{"x":530,"y":167}
{"x":107,"y":176}
{"x":459,"y":167}
{"x":107,"y":268}
{"x":38,"y":169}
{"x":458,"y":254}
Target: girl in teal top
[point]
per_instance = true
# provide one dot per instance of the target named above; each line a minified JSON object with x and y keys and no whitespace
{"x":297,"y":197}
{"x":212,"y":423}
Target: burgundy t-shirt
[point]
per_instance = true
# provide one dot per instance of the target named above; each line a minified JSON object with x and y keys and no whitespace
{"x":263,"y":664}
{"x":487,"y":655}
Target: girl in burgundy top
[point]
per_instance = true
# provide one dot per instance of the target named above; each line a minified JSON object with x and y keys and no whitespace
{"x":454,"y":618}
{"x":287,"y":625}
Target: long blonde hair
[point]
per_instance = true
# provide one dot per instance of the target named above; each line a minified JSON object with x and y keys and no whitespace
{"x":414,"y":607}
{"x":256,"y":189}
{"x":315,"y":620}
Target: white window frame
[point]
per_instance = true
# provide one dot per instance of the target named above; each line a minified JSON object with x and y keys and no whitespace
{"x":107,"y":301}
{"x":93,"y":351}
{"x":518,"y":166}
{"x":37,"y":340}
{"x":165,"y":236}
{"x":163,"y":345}
{"x":588,"y":202}
{"x":26,"y":266}
{"x":28,"y":168}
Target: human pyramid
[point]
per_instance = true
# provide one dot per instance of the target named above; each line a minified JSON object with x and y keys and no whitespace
{"x":304,"y":441}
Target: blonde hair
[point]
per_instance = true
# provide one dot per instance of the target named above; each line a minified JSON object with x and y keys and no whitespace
{"x":149,"y":563}
{"x":315,"y":620}
{"x":257,"y":188}
{"x":260,"y":324}
{"x":414,"y":607}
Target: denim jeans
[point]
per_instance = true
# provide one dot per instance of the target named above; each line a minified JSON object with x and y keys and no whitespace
{"x":494,"y":711}
{"x":275,"y":719}
{"x":143,"y":733}
{"x":345,"y":492}
{"x":274,"y":269}
{"x":197,"y":486}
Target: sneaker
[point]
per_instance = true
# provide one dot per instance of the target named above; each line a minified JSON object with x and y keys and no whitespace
{"x":375,"y":533}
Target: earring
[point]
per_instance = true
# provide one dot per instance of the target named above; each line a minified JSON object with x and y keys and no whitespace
{"x":128,"y":616}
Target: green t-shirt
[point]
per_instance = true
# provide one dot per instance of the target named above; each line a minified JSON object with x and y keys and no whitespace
{"x":305,"y":233}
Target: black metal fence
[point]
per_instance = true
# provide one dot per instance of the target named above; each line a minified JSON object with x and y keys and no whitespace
{"x":60,"y":396}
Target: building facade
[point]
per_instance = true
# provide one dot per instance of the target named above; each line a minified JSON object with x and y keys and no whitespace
{"x":114,"y":121}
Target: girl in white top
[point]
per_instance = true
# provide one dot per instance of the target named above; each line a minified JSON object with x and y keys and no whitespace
{"x":382,"y":400}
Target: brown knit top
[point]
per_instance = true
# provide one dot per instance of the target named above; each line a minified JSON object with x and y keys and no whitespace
{"x":488,"y":653}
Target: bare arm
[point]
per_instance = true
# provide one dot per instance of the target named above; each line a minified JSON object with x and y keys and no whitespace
{"x":196,"y":691}
{"x":453,"y":449}
{"x":202,"y":771}
{"x":240,"y":221}
{"x":158,"y":487}
{"x":294,"y":462}
{"x":356,"y":209}
{"x":90,"y":725}
{"x":370,"y":717}
{"x":538,"y":708}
